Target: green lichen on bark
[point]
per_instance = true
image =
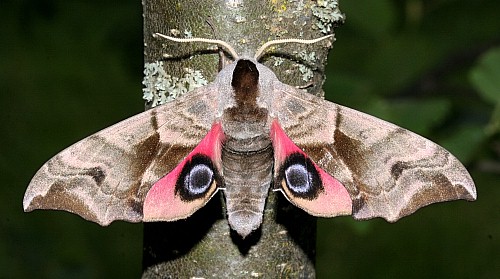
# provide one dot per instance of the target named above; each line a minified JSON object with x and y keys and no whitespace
{"x":160,"y":87}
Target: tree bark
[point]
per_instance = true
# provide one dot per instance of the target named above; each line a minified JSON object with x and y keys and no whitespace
{"x":203,"y":245}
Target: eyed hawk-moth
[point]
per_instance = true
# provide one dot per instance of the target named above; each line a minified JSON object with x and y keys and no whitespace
{"x":247,"y":133}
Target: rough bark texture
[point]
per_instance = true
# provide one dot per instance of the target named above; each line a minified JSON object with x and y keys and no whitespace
{"x":203,"y":246}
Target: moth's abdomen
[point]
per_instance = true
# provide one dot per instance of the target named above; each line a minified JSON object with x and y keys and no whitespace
{"x":247,"y":177}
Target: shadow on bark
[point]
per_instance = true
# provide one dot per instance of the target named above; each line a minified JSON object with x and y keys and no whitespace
{"x":165,"y":241}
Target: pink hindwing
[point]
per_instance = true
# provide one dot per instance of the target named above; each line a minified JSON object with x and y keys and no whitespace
{"x":304,"y":183}
{"x":190,"y":185}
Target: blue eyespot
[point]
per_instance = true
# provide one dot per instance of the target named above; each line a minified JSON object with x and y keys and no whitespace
{"x":298,"y":179}
{"x":300,"y":176}
{"x":196,"y":178}
{"x":199,"y":179}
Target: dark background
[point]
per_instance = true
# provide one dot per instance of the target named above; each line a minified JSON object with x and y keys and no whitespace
{"x":71,"y":68}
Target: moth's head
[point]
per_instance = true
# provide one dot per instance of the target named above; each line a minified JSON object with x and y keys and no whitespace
{"x":244,"y":72}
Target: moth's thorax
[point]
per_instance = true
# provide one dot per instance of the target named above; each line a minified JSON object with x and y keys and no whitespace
{"x":245,"y":123}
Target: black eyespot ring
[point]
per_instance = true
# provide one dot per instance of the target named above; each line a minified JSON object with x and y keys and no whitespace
{"x":196,"y":177}
{"x":301,"y":177}
{"x":199,"y":179}
{"x":297,"y":178}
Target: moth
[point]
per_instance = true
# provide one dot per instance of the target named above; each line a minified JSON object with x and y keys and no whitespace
{"x":246,"y":134}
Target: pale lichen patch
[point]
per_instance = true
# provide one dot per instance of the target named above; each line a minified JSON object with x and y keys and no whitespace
{"x":188,"y":34}
{"x":160,"y":87}
{"x":278,"y":61}
{"x":310,"y":59}
{"x":327,"y":12}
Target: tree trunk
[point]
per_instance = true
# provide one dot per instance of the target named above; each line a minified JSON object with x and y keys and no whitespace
{"x":203,"y":245}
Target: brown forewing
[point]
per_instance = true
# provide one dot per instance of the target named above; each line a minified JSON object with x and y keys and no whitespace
{"x":389,"y":172}
{"x":106,"y":176}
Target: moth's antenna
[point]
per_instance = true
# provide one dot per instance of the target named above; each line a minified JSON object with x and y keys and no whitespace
{"x":203,"y":40}
{"x":261,"y":50}
{"x":222,"y":57}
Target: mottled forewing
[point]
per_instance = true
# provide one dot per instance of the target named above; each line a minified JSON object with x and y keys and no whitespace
{"x":389,"y":172}
{"x":106,"y":176}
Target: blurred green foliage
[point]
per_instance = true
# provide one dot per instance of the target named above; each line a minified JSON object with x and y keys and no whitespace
{"x":70,"y":68}
{"x":485,"y":78}
{"x":432,"y":67}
